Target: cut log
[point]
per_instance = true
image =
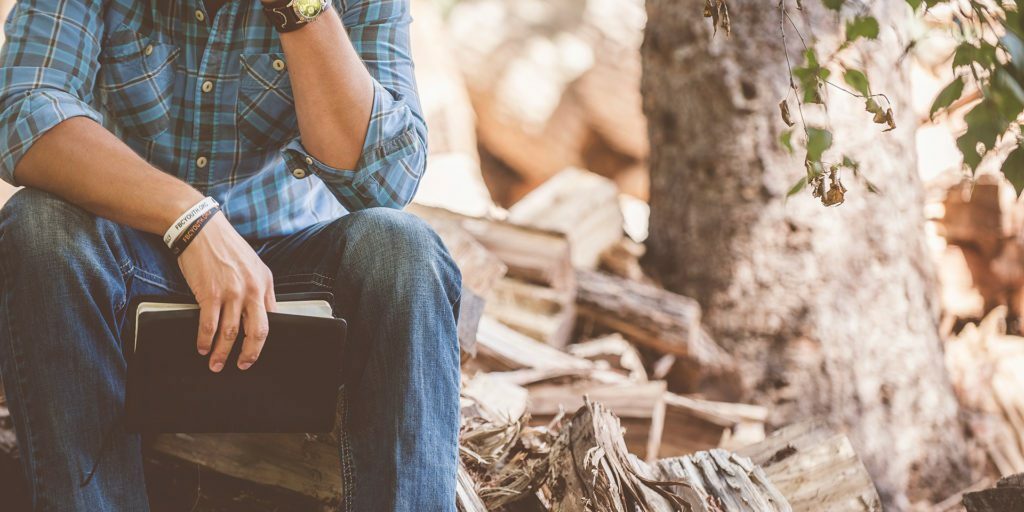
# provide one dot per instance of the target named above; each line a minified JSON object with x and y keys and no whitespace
{"x":816,"y":469}
{"x":581,"y":205}
{"x":639,"y":406}
{"x":501,"y":348}
{"x":538,"y":311}
{"x":1008,"y":494}
{"x":654,"y":318}
{"x":719,"y":480}
{"x":693,"y":424}
{"x":291,"y":461}
{"x":592,"y":470}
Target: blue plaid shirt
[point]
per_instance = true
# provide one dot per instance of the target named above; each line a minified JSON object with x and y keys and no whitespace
{"x":208,"y":99}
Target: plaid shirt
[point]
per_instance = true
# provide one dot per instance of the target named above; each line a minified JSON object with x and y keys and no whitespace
{"x":208,"y":99}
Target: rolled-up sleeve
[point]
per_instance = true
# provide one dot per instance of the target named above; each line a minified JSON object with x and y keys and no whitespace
{"x":394,"y":153}
{"x":47,"y":71}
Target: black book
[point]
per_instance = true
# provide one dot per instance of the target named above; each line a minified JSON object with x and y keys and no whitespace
{"x":292,"y":387}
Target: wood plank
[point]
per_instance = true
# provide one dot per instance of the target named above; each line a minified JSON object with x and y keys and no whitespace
{"x":655,"y":318}
{"x":579,"y":204}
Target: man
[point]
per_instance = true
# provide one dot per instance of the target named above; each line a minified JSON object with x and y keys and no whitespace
{"x":119,"y":117}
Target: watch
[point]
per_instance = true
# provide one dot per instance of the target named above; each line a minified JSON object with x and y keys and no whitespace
{"x":289,"y":15}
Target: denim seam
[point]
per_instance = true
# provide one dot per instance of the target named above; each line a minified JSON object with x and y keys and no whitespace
{"x":17,"y":362}
{"x":348,"y":478}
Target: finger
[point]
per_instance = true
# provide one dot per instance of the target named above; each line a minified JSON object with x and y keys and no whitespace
{"x":209,"y":314}
{"x":226,"y":334}
{"x":270,"y":300}
{"x":257,"y":327}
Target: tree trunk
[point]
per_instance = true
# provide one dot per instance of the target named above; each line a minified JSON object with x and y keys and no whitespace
{"x":832,"y":311}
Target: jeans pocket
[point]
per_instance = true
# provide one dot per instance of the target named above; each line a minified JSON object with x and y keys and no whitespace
{"x":136,"y":82}
{"x":265,"y":110}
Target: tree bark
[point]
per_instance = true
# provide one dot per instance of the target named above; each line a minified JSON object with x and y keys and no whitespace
{"x":831,"y":311}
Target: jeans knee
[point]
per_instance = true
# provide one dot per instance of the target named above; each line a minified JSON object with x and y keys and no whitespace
{"x":39,"y":229}
{"x":396,"y":248}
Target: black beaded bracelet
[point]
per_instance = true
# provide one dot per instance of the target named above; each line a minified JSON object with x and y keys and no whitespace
{"x":189,"y":234}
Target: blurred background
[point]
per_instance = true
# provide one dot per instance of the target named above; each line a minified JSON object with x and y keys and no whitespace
{"x":641,"y":146}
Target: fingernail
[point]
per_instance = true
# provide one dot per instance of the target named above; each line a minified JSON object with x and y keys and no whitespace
{"x":245,"y":365}
{"x":204,"y":351}
{"x":218,"y":366}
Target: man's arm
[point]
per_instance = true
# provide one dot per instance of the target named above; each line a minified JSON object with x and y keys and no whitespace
{"x":358,"y":108}
{"x":54,"y":143}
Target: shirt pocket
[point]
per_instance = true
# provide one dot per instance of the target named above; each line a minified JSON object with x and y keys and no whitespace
{"x":265,"y":110}
{"x":136,"y":82}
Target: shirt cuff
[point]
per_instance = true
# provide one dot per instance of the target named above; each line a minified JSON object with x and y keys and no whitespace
{"x":23,"y":123}
{"x":390,"y":138}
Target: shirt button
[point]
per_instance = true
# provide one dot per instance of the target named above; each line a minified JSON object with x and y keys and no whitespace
{"x":278,"y":64}
{"x":149,"y":49}
{"x":309,"y":160}
{"x":207,"y":86}
{"x":201,"y":162}
{"x":299,"y":173}
{"x":200,"y":15}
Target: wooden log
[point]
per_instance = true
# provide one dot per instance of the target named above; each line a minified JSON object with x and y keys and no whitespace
{"x":539,"y":311}
{"x":639,"y":406}
{"x":501,"y":348}
{"x":1008,"y":494}
{"x":590,"y":469}
{"x":579,"y":204}
{"x":720,"y":480}
{"x":694,"y":424}
{"x":816,"y":469}
{"x":290,"y":461}
{"x":654,"y":318}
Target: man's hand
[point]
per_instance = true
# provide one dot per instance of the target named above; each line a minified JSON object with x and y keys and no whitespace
{"x":233,"y":287}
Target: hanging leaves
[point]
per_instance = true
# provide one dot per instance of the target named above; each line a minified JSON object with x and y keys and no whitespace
{"x":784,"y":110}
{"x":818,"y":141}
{"x":858,"y":80}
{"x":811,"y":76}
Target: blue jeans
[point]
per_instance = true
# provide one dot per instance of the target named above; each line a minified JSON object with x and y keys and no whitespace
{"x":67,"y":275}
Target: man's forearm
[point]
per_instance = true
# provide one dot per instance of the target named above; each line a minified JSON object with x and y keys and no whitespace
{"x":333,"y":90}
{"x":86,"y":165}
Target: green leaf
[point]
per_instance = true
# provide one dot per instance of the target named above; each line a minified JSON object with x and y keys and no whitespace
{"x":858,"y":80}
{"x":786,"y":139}
{"x":1013,"y":168}
{"x":809,"y":76}
{"x":851,"y":164}
{"x":861,"y":26}
{"x":948,"y":95}
{"x":835,"y":5}
{"x":797,"y":187}
{"x":985,"y":123}
{"x":818,"y":140}
{"x":966,"y":54}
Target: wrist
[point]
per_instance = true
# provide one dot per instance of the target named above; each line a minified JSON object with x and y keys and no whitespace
{"x":186,"y":219}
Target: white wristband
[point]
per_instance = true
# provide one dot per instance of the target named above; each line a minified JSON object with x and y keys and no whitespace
{"x":179,"y":225}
